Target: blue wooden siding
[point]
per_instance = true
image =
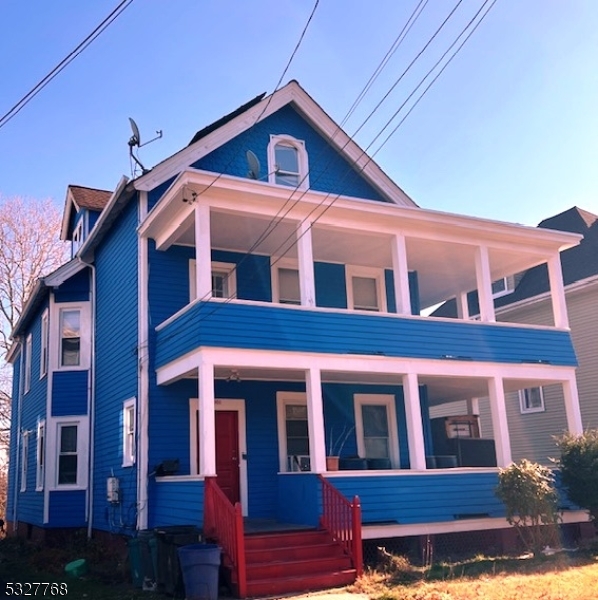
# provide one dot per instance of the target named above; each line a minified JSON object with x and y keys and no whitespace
{"x":76,"y":289}
{"x":13,"y":475}
{"x":331,"y":291}
{"x":329,"y":171}
{"x":391,"y":302}
{"x":94,"y":215}
{"x":69,"y":393}
{"x":116,"y":365}
{"x":67,"y":508}
{"x":279,"y":328}
{"x":154,"y":195}
{"x":429,"y":498}
{"x":33,"y":409}
{"x":176,"y":503}
{"x":252,"y":274}
{"x":299,"y":499}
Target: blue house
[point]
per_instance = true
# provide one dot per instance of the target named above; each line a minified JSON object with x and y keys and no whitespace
{"x":251,"y":307}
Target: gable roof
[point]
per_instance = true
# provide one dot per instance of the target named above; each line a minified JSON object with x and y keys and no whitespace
{"x":78,"y":196}
{"x":246,"y":116}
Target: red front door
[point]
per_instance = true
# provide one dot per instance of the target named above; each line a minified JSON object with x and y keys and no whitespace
{"x":227,"y":453}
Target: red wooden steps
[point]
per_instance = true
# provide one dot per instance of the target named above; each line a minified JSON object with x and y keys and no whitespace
{"x":279,"y":563}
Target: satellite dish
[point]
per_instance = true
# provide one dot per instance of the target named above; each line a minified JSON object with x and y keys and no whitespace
{"x":135,"y":138}
{"x":254,"y":165}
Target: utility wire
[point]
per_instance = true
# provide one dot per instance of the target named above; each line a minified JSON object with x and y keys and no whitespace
{"x":294,"y":238}
{"x":40,"y":85}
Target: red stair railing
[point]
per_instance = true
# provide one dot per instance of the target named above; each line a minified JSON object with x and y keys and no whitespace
{"x":343,"y":520}
{"x":224,"y":522}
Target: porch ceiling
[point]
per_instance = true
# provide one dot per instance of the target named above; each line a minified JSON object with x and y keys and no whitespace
{"x":444,"y":268}
{"x":440,"y":389}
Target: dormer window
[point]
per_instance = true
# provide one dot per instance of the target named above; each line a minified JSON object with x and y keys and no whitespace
{"x":77,"y":237}
{"x":287,"y":161}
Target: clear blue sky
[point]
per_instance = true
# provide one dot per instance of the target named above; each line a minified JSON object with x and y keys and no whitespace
{"x":509,"y":131}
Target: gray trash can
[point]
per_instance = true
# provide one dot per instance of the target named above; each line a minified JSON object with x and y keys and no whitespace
{"x":200,"y":565}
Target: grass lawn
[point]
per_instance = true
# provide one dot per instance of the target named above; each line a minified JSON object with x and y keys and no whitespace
{"x":563,"y":576}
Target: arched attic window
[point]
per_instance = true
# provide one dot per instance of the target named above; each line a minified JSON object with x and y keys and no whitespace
{"x":287,"y":161}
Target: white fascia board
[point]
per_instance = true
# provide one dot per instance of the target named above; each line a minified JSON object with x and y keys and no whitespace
{"x":13,"y":351}
{"x":382,"y":365}
{"x":64,"y":272}
{"x":69,"y":203}
{"x":265,"y":198}
{"x":292,"y":92}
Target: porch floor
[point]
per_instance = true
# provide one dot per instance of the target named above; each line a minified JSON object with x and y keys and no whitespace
{"x":271,"y":526}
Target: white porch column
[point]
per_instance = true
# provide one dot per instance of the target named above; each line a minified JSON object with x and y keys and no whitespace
{"x":207,"y":420}
{"x":557,"y":292}
{"x":305,"y":255}
{"x":203,"y":253}
{"x":574,"y":423}
{"x":415,"y":430}
{"x":315,"y":421}
{"x":484,"y":283}
{"x":400,"y":271}
{"x":500,"y":426}
{"x":462,"y":306}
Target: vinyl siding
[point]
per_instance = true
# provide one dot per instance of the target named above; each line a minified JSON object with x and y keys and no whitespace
{"x":278,"y":328}
{"x":176,"y":503}
{"x":76,"y":289}
{"x":532,"y":433}
{"x":116,"y":365}
{"x":328,"y":170}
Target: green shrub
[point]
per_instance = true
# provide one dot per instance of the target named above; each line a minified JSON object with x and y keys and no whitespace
{"x":528,"y":492}
{"x":579,"y":469}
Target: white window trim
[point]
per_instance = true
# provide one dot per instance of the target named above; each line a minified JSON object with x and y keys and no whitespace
{"x":372,"y":273}
{"x":299,"y":145}
{"x":129,"y":447}
{"x":40,"y":456}
{"x":282,"y":399}
{"x":525,"y":410}
{"x":53,"y":442}
{"x":77,"y":240}
{"x":24,"y":459}
{"x":282,"y":263}
{"x":387,"y":400}
{"x":54,"y":357}
{"x":229,"y":268}
{"x":44,"y":340}
{"x":509,"y":286}
{"x":28,"y":352}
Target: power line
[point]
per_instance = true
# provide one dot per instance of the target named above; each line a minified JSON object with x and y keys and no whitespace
{"x":40,"y":85}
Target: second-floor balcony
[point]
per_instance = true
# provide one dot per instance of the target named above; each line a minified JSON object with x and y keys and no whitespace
{"x":243,"y":240}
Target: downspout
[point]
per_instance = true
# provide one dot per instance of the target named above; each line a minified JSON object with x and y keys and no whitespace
{"x":17,"y":471}
{"x":91,"y":395}
{"x":142,"y":412}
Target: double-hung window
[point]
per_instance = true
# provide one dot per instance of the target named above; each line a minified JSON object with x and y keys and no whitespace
{"x":285,"y":281}
{"x":129,"y":429}
{"x":41,"y":456}
{"x":224,"y":281}
{"x":28,"y":351}
{"x":43,"y":359}
{"x":293,"y":431}
{"x":70,"y":337}
{"x":287,"y":162}
{"x":24,"y":459}
{"x":68,"y":458}
{"x":366,"y":289}
{"x":531,"y":400}
{"x":376,"y":427}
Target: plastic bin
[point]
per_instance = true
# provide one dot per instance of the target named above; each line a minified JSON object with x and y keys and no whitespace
{"x":200,"y":564}
{"x":169,"y":539}
{"x":143,"y":557}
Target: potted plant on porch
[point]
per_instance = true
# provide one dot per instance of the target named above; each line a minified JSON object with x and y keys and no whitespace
{"x":336,"y":442}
